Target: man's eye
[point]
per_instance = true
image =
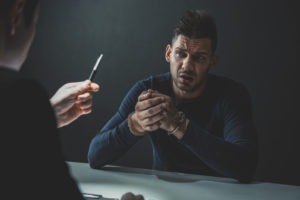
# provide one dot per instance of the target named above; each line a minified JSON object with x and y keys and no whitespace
{"x":179,"y":54}
{"x":200,"y":59}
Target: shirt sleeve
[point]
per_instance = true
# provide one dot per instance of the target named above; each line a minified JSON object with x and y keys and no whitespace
{"x":235,"y":153}
{"x":115,"y":138}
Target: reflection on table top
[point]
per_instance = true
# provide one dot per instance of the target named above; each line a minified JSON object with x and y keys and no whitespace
{"x":113,"y":181}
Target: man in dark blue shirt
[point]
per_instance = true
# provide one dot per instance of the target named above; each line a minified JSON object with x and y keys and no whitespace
{"x":198,"y":122}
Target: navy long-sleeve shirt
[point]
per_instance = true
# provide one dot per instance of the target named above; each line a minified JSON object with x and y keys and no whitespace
{"x":220,"y":139}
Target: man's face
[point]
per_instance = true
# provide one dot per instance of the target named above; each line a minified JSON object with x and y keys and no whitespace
{"x":190,"y":61}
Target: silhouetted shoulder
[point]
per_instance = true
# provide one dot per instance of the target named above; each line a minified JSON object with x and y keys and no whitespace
{"x":225,"y":85}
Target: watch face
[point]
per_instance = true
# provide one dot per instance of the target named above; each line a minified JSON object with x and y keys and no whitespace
{"x":181,"y":117}
{"x":179,"y":123}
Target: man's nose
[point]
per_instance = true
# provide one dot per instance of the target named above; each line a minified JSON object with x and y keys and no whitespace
{"x":187,"y":63}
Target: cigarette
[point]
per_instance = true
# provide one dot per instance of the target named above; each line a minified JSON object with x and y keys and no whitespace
{"x":92,"y":75}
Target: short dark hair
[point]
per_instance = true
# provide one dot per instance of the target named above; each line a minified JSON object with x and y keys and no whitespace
{"x":197,"y":24}
{"x":29,"y":9}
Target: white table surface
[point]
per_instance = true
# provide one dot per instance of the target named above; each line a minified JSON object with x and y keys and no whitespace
{"x":113,"y":181}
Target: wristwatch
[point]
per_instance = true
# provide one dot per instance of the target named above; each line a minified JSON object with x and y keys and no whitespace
{"x":179,"y":123}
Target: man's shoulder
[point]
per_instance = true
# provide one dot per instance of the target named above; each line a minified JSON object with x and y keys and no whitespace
{"x":156,"y":81}
{"x":221,"y":79}
{"x":226,"y":87}
{"x":158,"y":77}
{"x":223,"y":82}
{"x":26,"y":102}
{"x":12,"y":78}
{"x":8,"y":75}
{"x":19,"y":87}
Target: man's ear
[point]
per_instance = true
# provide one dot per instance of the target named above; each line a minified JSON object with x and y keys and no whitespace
{"x":15,"y":16}
{"x":168,"y":52}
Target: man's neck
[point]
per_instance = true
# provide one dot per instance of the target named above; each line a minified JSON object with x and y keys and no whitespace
{"x":185,"y":95}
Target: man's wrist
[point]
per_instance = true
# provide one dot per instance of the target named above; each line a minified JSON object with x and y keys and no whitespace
{"x":134,"y":128}
{"x":179,"y":123}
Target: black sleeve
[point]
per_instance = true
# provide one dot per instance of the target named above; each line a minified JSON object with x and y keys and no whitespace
{"x":235,"y":153}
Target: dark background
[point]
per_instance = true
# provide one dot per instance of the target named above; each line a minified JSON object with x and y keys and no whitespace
{"x":258,"y":45}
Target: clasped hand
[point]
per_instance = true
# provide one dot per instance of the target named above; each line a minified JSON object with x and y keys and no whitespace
{"x":153,"y":110}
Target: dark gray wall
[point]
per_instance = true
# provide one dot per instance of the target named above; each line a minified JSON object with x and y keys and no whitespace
{"x":258,"y":45}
